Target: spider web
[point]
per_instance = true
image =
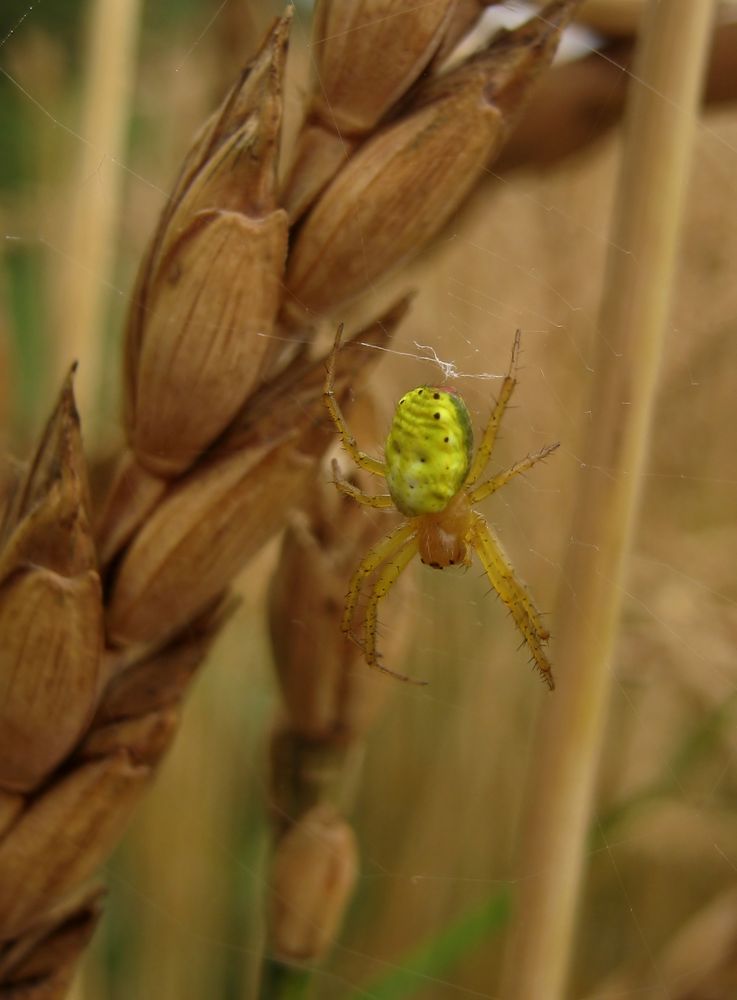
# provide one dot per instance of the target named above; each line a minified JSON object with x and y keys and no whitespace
{"x":439,"y":798}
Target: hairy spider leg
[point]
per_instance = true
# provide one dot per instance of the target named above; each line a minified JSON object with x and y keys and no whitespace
{"x":350,"y":444}
{"x":377,"y":554}
{"x":382,"y":500}
{"x":488,"y":441}
{"x":513,"y":594}
{"x":492,"y":485}
{"x":386,"y":579}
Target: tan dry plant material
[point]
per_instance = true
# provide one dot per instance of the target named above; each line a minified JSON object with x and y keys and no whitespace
{"x":49,"y":670}
{"x":219,"y":515}
{"x":405,"y":182}
{"x":328,"y":692}
{"x":366,"y":56}
{"x":40,"y":965}
{"x":63,"y":837}
{"x":50,"y":609}
{"x":133,"y":494}
{"x":11,"y":806}
{"x":314,"y":871}
{"x":198,"y":339}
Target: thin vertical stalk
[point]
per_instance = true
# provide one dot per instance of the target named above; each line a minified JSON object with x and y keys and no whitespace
{"x":96,"y":191}
{"x":661,"y":118}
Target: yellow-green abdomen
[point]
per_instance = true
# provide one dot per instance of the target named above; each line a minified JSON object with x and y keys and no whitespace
{"x":428,"y":451}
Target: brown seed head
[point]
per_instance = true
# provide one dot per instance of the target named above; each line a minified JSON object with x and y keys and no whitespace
{"x":403,"y":185}
{"x":62,"y":838}
{"x":47,"y":522}
{"x":198,"y":337}
{"x":314,"y":872}
{"x":50,"y":608}
{"x":49,"y":670}
{"x":368,"y":53}
{"x":132,"y":495}
{"x":215,"y":518}
{"x":329,"y":691}
{"x":158,"y":679}
{"x":319,"y":153}
{"x":41,"y":963}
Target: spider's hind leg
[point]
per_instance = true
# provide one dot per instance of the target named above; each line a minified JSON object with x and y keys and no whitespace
{"x":514,"y":594}
{"x":386,"y":579}
{"x":384,"y":550}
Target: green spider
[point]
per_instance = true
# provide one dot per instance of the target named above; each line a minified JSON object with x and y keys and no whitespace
{"x":431,"y":473}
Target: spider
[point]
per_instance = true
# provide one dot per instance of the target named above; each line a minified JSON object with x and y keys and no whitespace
{"x":432,"y":476}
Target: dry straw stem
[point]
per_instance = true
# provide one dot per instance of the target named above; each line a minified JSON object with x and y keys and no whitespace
{"x":98,"y":181}
{"x":666,"y":86}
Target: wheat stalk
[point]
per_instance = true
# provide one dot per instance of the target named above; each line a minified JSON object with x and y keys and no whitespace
{"x":107,"y":612}
{"x":665,"y":92}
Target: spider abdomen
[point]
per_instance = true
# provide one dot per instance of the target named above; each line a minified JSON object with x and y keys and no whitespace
{"x":428,"y":450}
{"x":442,"y":539}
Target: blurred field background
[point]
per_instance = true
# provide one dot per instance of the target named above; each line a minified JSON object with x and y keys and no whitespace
{"x":440,"y":790}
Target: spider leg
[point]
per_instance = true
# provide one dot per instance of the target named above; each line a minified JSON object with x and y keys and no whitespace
{"x":513,"y":593}
{"x":492,"y":485}
{"x":350,"y":444}
{"x":367,"y":499}
{"x":386,"y":579}
{"x":377,"y":554}
{"x":486,"y":447}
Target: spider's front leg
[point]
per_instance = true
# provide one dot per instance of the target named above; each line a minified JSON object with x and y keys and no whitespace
{"x":350,"y":444}
{"x":379,"y":501}
{"x":488,"y":441}
{"x":492,"y":485}
{"x":514,"y":594}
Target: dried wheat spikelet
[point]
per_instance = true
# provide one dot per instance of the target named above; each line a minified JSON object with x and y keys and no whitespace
{"x":105,"y":627}
{"x":51,"y":612}
{"x":403,"y":183}
{"x":366,"y":55}
{"x":314,"y":871}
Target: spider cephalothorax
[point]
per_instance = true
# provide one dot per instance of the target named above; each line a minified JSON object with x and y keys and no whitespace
{"x":431,"y":473}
